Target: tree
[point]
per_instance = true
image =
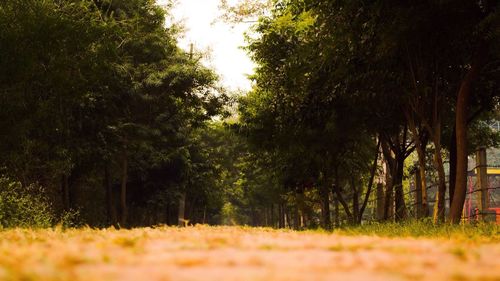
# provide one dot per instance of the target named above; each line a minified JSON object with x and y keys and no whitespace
{"x":83,"y":108}
{"x":314,"y":66}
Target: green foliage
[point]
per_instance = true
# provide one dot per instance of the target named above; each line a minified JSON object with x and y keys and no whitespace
{"x":333,"y":77}
{"x":70,"y":219}
{"x":92,"y":84}
{"x":23,"y":206}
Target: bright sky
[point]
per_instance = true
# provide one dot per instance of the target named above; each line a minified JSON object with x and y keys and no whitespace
{"x":219,"y":40}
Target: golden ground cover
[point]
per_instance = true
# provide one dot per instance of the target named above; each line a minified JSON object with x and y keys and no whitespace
{"x":238,"y":253}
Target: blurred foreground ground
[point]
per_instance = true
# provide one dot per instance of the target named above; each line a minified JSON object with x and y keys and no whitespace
{"x":232,"y":253}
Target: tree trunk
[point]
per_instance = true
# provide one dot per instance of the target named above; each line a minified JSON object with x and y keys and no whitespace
{"x":181,"y":219}
{"x":399,"y":192}
{"x":296,"y":217}
{"x":423,"y":180}
{"x":204,"y":214}
{"x":110,"y":202}
{"x":326,"y":222}
{"x":420,"y":146}
{"x":281,"y":214}
{"x":418,"y":194}
{"x":390,"y":205}
{"x":336,"y":210}
{"x":191,"y":212}
{"x":273,"y":221}
{"x":167,"y":214}
{"x":266,"y":221}
{"x":389,"y":192}
{"x":389,"y":181}
{"x":300,"y":208}
{"x":344,"y":204}
{"x":380,"y":202}
{"x":355,"y":203}
{"x":288,"y":217}
{"x":463,"y":98}
{"x":123,"y":190}
{"x":254,"y":215}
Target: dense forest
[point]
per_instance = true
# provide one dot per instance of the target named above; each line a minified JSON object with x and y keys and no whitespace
{"x":105,"y":120}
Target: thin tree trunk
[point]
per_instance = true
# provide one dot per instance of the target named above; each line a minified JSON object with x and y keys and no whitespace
{"x":390,"y":204}
{"x":438,"y":159}
{"x":191,"y":211}
{"x":355,"y":202}
{"x":380,"y":202}
{"x":344,"y":204}
{"x":420,"y":146}
{"x":254,"y":215}
{"x":399,"y":192}
{"x":453,"y":158}
{"x":272,"y":216}
{"x":181,"y":219}
{"x":123,"y":190}
{"x":336,"y":210}
{"x":296,"y":215}
{"x":325,"y":206}
{"x":110,"y":202}
{"x":281,"y":216}
{"x":288,"y":218}
{"x":389,"y":181}
{"x":266,"y":219}
{"x":300,"y":208}
{"x":204,"y":215}
{"x":418,"y":194}
{"x":423,"y":180}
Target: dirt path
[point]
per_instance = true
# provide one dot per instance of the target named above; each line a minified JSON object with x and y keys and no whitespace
{"x":225,"y":253}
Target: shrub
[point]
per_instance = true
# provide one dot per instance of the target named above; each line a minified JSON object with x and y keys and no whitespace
{"x":70,"y":219}
{"x":23,"y":206}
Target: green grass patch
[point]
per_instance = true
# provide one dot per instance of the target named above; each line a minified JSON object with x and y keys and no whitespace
{"x":481,"y":232}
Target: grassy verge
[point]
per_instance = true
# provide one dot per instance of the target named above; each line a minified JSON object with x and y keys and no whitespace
{"x":481,"y":232}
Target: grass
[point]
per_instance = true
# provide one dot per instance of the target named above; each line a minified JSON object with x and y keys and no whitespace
{"x":481,"y":232}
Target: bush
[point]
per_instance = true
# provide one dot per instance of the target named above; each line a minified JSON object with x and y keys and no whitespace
{"x":70,"y":219}
{"x":23,"y":206}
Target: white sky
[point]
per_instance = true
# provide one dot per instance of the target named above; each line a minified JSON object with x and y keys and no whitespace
{"x":219,"y":40}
